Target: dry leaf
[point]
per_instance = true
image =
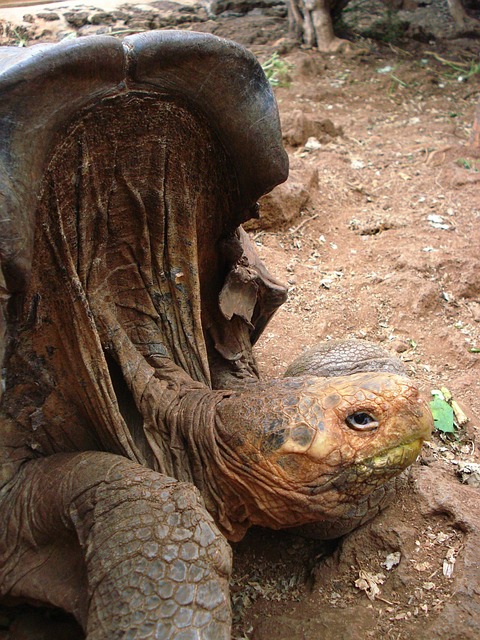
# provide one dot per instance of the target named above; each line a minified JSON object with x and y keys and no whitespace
{"x":369,"y":582}
{"x":449,"y":563}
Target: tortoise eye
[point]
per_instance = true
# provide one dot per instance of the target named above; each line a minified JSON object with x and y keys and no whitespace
{"x":361,"y":421}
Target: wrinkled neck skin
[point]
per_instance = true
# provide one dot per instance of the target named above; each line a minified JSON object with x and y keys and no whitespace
{"x":179,"y":429}
{"x":229,"y":495}
{"x":184,"y":435}
{"x":226,"y":481}
{"x":178,"y":435}
{"x":203,"y":462}
{"x":240,"y":488}
{"x":239,"y":482}
{"x":238,"y":492}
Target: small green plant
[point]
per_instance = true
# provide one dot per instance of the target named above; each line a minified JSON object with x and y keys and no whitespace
{"x":18,"y":34}
{"x":277,"y":70}
{"x":466,"y":164}
{"x":20,"y":40}
{"x":448,"y":417}
{"x":396,"y":82}
{"x":442,"y":413}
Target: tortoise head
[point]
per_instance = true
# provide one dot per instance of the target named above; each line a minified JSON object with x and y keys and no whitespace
{"x":312,"y":450}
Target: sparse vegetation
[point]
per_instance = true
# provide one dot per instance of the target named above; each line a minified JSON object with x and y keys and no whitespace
{"x":277,"y":71}
{"x":467,"y":164}
{"x":457,"y":71}
{"x":16,"y":33}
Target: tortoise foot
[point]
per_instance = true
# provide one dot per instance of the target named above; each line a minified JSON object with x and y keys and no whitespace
{"x":129,"y":552}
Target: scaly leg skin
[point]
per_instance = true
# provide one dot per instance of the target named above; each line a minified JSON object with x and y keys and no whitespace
{"x":129,"y":552}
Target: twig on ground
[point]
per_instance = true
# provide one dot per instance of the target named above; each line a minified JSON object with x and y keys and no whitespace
{"x":386,"y":601}
{"x":398,"y":49}
{"x":303,"y":223}
{"x":450,"y":63}
{"x":435,"y":153}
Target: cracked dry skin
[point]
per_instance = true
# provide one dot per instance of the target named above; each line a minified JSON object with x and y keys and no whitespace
{"x":136,"y":436}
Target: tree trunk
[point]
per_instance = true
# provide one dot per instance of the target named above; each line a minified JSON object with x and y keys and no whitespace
{"x":464,"y":22}
{"x":458,"y":13}
{"x":310,"y":22}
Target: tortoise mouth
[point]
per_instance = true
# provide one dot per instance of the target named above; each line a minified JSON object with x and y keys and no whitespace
{"x":375,"y":470}
{"x":399,"y":456}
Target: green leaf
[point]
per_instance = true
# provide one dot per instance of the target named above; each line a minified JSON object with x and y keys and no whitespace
{"x":442,"y":415}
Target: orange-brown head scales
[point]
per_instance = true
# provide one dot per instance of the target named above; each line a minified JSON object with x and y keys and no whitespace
{"x":308,"y":449}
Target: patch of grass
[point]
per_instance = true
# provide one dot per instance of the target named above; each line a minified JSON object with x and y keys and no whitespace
{"x":459,"y":71}
{"x":277,"y":71}
{"x":395,"y":84}
{"x":464,"y":73}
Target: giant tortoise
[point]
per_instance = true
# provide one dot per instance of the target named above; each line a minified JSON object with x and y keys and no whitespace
{"x":136,"y":436}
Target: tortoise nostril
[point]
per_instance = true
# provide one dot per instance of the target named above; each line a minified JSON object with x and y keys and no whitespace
{"x":361,"y":421}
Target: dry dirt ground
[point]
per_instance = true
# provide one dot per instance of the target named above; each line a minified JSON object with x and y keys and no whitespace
{"x":377,"y":234}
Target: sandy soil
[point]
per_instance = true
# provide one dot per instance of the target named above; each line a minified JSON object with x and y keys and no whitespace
{"x":377,"y":234}
{"x":385,"y":249}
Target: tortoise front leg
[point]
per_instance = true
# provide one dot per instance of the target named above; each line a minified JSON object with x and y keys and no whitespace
{"x":129,"y":552}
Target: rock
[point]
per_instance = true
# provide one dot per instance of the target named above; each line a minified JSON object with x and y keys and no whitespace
{"x":278,"y":11}
{"x":120,"y":15}
{"x":49,"y":16}
{"x":299,"y":127}
{"x":285,"y":45}
{"x":139,"y":24}
{"x":400,"y":346}
{"x":102,"y":17}
{"x":76,"y":18}
{"x":242,"y":7}
{"x":312,"y":144}
{"x":286,"y":202}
